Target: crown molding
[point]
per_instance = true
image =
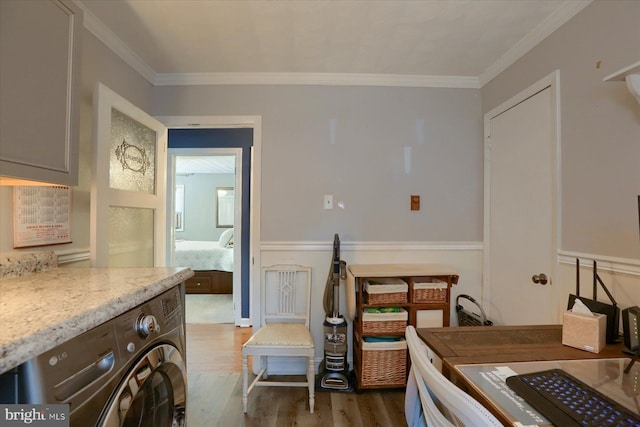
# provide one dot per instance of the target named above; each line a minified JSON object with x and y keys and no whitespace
{"x":113,"y":42}
{"x":320,"y":79}
{"x":554,"y":21}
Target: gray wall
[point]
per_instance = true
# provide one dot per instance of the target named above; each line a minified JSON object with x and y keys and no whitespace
{"x":600,"y":139}
{"x":200,"y":204}
{"x":364,"y":167}
{"x":99,"y":63}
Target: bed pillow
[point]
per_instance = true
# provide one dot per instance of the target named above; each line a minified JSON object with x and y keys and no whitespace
{"x":225,"y":238}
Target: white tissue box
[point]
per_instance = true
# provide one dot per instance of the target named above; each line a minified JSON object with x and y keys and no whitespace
{"x":584,"y":331}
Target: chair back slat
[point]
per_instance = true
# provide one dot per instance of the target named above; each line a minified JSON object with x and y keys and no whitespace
{"x":286,"y":293}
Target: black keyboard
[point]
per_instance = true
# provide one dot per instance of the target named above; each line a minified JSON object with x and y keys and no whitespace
{"x":566,"y":401}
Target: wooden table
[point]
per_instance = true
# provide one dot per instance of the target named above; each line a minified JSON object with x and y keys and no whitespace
{"x":492,"y":344}
{"x":502,"y":344}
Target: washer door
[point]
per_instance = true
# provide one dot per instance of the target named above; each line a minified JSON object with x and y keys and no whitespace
{"x":153,"y":394}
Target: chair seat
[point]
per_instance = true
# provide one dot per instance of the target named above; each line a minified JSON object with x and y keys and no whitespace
{"x":289,"y":334}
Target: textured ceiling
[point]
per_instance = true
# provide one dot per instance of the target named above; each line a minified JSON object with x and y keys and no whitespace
{"x":463,"y":38}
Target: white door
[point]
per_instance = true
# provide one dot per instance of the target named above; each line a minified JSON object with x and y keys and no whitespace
{"x":128,"y":191}
{"x":520,"y":208}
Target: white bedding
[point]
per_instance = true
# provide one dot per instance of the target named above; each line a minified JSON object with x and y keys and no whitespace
{"x":203,"y":255}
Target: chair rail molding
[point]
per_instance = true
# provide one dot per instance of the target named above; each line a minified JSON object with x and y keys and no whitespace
{"x":629,"y":267}
{"x":268,"y":246}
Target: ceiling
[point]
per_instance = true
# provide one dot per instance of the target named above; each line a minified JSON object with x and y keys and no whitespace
{"x":205,"y":164}
{"x":454,"y":43}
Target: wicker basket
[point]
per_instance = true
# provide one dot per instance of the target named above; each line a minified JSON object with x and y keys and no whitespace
{"x":386,"y":291}
{"x":385,"y":323}
{"x":430,"y":291}
{"x":384,"y":364}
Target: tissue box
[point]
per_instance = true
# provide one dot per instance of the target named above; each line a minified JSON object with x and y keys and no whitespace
{"x":584,"y":331}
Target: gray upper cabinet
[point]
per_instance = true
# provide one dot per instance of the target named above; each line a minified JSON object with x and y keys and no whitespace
{"x":40,"y":87}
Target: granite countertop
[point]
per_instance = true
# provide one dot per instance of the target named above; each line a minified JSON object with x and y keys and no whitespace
{"x":42,"y":310}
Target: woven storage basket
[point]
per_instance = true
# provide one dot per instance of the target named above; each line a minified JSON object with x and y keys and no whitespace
{"x":384,"y":364}
{"x":386,"y":291}
{"x":387,"y":323}
{"x":429,"y":291}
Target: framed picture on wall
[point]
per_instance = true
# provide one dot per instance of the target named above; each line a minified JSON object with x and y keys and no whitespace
{"x":225,"y":200}
{"x":179,"y":207}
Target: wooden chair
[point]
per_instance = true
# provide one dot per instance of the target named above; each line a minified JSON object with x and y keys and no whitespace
{"x":443,"y":403}
{"x":284,"y":331}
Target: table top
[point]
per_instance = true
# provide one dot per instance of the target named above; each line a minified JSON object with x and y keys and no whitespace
{"x":492,"y":344}
{"x":486,"y":382}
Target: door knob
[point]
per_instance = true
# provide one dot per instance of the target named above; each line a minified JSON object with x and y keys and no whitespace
{"x":540,"y":278}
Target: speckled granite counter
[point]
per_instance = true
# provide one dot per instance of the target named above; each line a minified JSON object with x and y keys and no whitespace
{"x":14,"y":264}
{"x":42,"y":310}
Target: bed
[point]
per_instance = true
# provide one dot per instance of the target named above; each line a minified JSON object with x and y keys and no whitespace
{"x":211,"y":261}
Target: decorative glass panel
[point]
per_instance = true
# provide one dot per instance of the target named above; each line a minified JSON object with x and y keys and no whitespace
{"x":132,"y":155}
{"x":130,"y":237}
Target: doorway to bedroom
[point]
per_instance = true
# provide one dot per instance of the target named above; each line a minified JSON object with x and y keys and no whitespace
{"x":227,"y":207}
{"x":206,"y":207}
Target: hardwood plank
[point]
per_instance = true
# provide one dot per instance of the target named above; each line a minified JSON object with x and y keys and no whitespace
{"x":345,"y":409}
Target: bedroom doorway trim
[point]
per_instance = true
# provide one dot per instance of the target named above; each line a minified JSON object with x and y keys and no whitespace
{"x":244,"y":296}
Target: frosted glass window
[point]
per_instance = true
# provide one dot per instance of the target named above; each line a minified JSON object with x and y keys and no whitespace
{"x":130,"y":237}
{"x":132,"y":155}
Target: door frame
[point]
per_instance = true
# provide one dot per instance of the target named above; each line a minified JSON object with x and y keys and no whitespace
{"x":254,"y":122}
{"x":552,"y":81}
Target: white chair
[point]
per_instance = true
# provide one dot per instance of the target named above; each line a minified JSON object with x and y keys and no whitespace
{"x":443,"y":403}
{"x":286,"y":298}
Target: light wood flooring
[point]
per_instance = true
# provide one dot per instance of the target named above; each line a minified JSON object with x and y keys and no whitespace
{"x":215,"y":391}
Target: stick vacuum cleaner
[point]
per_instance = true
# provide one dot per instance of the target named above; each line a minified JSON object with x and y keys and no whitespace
{"x":334,"y":369}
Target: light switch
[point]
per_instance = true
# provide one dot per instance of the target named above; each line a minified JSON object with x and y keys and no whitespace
{"x":328,"y":201}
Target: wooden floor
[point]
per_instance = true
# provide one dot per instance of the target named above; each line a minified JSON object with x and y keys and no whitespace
{"x":214,"y":367}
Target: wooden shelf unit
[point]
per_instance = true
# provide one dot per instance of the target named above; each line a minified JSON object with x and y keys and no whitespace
{"x":410,"y":273}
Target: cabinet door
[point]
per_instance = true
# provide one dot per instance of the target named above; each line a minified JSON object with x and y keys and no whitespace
{"x":39,"y":76}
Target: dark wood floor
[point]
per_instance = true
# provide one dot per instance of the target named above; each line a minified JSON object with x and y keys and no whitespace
{"x":213,"y":351}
